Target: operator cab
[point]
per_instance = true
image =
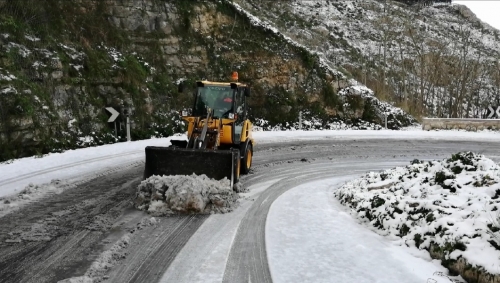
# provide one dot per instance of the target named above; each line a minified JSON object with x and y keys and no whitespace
{"x":226,"y":100}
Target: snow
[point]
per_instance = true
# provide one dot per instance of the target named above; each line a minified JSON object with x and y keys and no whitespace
{"x":8,"y":89}
{"x":38,"y":64}
{"x":335,"y":30}
{"x":72,"y":52}
{"x":311,"y":238}
{"x":77,"y":67}
{"x":76,"y":163}
{"x":414,"y":134}
{"x":25,"y":180}
{"x":55,"y":172}
{"x":8,"y":77}
{"x":115,"y":55}
{"x":439,"y":202}
{"x":31,"y":38}
{"x":71,"y":164}
{"x":110,"y":257}
{"x":22,"y":50}
{"x":164,"y":195}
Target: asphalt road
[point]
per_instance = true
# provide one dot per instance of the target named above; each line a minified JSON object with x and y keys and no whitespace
{"x":61,"y":235}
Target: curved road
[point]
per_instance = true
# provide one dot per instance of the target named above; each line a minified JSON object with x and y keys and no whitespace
{"x":60,"y":236}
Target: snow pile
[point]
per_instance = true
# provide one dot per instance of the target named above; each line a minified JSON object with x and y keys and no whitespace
{"x":448,"y":207}
{"x":162,"y":195}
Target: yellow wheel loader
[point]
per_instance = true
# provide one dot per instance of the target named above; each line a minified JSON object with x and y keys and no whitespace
{"x":219,"y":143}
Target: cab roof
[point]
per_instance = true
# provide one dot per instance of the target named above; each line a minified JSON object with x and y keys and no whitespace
{"x":210,"y":83}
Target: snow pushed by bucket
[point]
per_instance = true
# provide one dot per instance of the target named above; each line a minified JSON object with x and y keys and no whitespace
{"x":163,"y":195}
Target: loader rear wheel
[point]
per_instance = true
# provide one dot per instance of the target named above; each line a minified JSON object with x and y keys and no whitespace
{"x":246,"y":161}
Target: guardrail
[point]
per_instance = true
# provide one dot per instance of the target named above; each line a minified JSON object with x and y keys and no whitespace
{"x":459,"y":123}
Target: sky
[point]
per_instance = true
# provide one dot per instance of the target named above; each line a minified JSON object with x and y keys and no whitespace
{"x":486,"y":11}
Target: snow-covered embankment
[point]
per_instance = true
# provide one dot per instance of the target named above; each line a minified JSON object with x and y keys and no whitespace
{"x":449,"y":207}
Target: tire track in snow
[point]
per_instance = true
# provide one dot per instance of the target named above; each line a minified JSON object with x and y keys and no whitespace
{"x":152,"y":250}
{"x":247,"y":260}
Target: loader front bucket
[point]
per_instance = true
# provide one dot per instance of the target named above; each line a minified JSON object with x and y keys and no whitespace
{"x":216,"y":164}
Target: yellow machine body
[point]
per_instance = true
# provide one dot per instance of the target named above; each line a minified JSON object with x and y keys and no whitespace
{"x":220,"y":142}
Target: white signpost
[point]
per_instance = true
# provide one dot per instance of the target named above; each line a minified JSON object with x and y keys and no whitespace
{"x":300,"y":120}
{"x":128,"y":129}
{"x":114,"y":115}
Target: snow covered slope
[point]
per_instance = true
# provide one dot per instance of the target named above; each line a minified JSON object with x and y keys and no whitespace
{"x":398,"y":117}
{"x":421,"y":57}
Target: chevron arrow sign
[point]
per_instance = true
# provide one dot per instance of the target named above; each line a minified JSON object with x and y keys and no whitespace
{"x":114,"y":114}
{"x":492,"y":112}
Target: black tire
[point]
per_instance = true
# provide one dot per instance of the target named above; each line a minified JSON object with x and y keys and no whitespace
{"x":246,"y":161}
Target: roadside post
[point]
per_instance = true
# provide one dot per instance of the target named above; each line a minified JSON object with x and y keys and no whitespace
{"x":128,"y":129}
{"x":300,"y":120}
{"x":128,"y":112}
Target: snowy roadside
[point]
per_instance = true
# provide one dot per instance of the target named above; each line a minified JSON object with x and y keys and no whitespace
{"x":449,"y":208}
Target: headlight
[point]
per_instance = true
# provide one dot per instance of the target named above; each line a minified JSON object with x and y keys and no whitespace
{"x":231,"y":116}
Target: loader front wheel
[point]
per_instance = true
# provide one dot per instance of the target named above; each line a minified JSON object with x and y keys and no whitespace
{"x":246,"y":161}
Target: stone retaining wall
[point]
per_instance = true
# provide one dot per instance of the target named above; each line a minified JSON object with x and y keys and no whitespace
{"x":457,"y":123}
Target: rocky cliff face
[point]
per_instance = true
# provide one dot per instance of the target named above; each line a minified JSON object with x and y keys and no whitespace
{"x":63,"y":62}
